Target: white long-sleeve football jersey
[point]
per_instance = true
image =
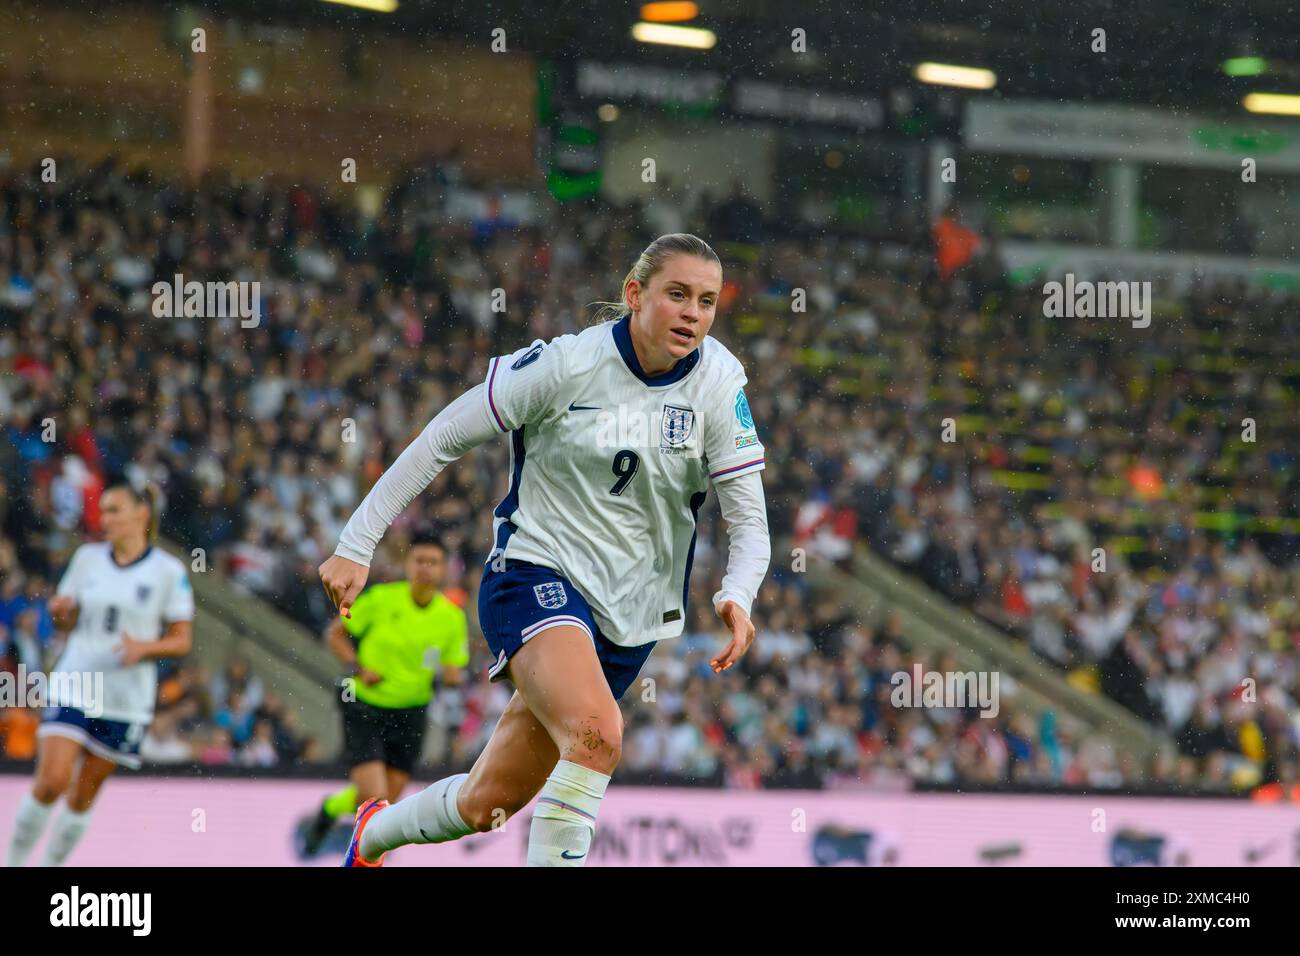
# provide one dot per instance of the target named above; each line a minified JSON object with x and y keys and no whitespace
{"x":608,"y":470}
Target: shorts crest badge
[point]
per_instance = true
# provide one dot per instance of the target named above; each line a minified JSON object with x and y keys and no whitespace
{"x":551,"y":595}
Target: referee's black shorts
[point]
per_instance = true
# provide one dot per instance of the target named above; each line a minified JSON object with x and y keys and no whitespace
{"x":393,"y":735}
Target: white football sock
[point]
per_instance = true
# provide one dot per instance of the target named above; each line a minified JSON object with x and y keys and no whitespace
{"x":564,"y":819}
{"x":429,"y":816}
{"x":28,"y":826}
{"x":67,"y":833}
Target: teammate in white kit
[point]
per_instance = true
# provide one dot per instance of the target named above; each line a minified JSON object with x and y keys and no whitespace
{"x":127,"y":604}
{"x":615,"y":433}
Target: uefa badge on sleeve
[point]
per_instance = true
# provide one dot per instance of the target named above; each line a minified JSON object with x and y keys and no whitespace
{"x":551,"y":595}
{"x":743,"y":414}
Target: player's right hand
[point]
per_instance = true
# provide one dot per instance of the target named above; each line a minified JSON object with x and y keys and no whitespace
{"x":343,"y":581}
{"x":62,"y":607}
{"x":131,"y":651}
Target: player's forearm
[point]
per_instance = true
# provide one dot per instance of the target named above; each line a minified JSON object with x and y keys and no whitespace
{"x":175,"y":642}
{"x":462,"y":425}
{"x":750,"y":553}
{"x":339,"y":645}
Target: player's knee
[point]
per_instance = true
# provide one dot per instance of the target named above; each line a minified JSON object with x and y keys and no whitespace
{"x":81,"y":793}
{"x":51,"y":784}
{"x":596,"y":740}
{"x":47,"y":792}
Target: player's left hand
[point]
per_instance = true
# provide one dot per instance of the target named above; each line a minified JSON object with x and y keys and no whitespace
{"x":131,"y":651}
{"x":742,"y":635}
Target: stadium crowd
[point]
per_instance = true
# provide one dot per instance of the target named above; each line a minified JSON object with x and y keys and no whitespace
{"x":1068,"y":437}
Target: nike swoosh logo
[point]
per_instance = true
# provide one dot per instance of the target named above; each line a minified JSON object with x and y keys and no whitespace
{"x":575,"y":407}
{"x":566,"y":855}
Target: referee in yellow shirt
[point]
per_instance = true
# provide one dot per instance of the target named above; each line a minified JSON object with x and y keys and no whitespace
{"x":399,"y":636}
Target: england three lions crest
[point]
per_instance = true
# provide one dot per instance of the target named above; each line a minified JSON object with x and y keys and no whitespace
{"x":551,"y":596}
{"x":678,"y":423}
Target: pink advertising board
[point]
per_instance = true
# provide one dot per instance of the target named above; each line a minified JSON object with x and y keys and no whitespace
{"x":155,"y":821}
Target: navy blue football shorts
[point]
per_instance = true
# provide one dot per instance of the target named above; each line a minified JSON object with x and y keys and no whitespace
{"x":114,"y":740}
{"x":523,"y":600}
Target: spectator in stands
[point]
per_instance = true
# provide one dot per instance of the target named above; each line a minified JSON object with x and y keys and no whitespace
{"x":260,"y":751}
{"x":162,"y":745}
{"x":216,"y":750}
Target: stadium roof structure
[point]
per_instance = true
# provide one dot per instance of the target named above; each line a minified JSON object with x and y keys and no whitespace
{"x":1158,"y":52}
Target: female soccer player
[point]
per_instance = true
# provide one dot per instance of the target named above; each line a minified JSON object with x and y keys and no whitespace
{"x":127,"y":604}
{"x":615,"y":433}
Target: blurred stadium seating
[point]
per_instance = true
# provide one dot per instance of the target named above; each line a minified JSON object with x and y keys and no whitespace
{"x":247,"y":445}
